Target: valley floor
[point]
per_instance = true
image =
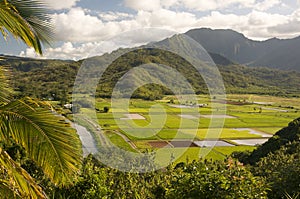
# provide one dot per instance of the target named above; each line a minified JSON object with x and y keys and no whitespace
{"x":209,"y":128}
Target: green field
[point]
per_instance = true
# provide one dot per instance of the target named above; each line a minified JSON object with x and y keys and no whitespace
{"x":161,"y":121}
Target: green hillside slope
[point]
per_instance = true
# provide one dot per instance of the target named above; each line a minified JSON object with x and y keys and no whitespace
{"x":55,"y":78}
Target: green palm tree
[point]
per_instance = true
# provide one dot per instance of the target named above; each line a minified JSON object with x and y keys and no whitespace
{"x":26,"y":20}
{"x":47,"y":139}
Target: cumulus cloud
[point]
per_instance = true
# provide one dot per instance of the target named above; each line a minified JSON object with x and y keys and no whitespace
{"x":266,"y":4}
{"x":166,"y":19}
{"x":148,"y":5}
{"x":77,"y":25}
{"x":58,"y":5}
{"x":82,"y":30}
{"x":114,"y":16}
{"x":69,"y":50}
{"x":201,"y":5}
{"x":254,"y":25}
{"x":290,"y":26}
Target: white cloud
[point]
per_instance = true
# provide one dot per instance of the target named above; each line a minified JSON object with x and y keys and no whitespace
{"x":69,"y":50}
{"x":266,"y":4}
{"x":255,"y":25}
{"x":114,"y":16}
{"x":290,"y":26}
{"x":82,"y":30}
{"x":58,"y":5}
{"x":201,"y":5}
{"x":76,"y":25}
{"x":166,"y":19}
{"x":169,"y":3}
{"x":148,"y":5}
{"x":204,"y":5}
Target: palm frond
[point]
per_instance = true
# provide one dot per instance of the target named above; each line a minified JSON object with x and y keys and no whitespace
{"x":5,"y":90}
{"x":27,"y":20}
{"x":19,"y":183}
{"x":47,"y":138}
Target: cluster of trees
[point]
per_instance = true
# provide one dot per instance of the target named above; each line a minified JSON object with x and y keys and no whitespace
{"x":195,"y":180}
{"x":202,"y":179}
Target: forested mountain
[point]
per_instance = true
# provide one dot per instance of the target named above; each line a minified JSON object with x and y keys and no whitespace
{"x":43,"y":78}
{"x":55,"y":78}
{"x":274,"y":53}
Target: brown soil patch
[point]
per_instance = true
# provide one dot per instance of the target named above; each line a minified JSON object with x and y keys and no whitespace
{"x":183,"y":144}
{"x":159,"y":144}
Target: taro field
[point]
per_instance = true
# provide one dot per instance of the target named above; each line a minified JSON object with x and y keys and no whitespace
{"x":194,"y":130}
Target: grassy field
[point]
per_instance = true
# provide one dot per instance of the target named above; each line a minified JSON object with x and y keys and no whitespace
{"x":162,"y":121}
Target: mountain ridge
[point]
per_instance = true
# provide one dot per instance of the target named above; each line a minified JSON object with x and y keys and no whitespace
{"x":273,"y":53}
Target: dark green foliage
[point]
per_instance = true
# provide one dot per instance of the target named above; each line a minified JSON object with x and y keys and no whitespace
{"x":228,"y":179}
{"x":278,"y":161}
{"x":54,"y":79}
{"x":281,"y":138}
{"x":105,"y":109}
{"x":145,"y":56}
{"x":92,"y":183}
{"x":281,"y":170}
{"x":242,"y":79}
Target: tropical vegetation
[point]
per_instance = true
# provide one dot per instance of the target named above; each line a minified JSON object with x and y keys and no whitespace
{"x":43,"y":136}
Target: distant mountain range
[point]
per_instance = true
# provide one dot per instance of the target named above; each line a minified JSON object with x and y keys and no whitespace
{"x":283,"y":54}
{"x":230,"y":50}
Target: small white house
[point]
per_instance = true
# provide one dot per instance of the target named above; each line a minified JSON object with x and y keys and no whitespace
{"x":68,"y":106}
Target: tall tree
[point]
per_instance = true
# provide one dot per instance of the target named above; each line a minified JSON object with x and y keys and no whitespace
{"x":47,"y":139}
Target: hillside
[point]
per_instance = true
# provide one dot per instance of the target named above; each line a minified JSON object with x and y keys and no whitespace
{"x":277,"y":161}
{"x":274,"y":53}
{"x":282,"y":138}
{"x":55,"y":78}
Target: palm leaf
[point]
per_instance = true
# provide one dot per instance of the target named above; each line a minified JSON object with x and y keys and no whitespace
{"x":5,"y":90}
{"x":47,"y":138}
{"x":19,"y":183}
{"x":27,"y":20}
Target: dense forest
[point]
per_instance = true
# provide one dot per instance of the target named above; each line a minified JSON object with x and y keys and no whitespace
{"x":46,"y":79}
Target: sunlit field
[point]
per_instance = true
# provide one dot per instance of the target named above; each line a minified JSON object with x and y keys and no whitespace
{"x":248,"y":117}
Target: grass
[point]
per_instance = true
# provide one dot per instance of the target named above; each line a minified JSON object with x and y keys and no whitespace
{"x":226,"y":151}
{"x":177,"y":155}
{"x":119,"y":141}
{"x":169,"y":134}
{"x":220,"y":133}
{"x":270,"y":130}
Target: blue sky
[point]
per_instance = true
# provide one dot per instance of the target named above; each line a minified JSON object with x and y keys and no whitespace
{"x":85,"y":27}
